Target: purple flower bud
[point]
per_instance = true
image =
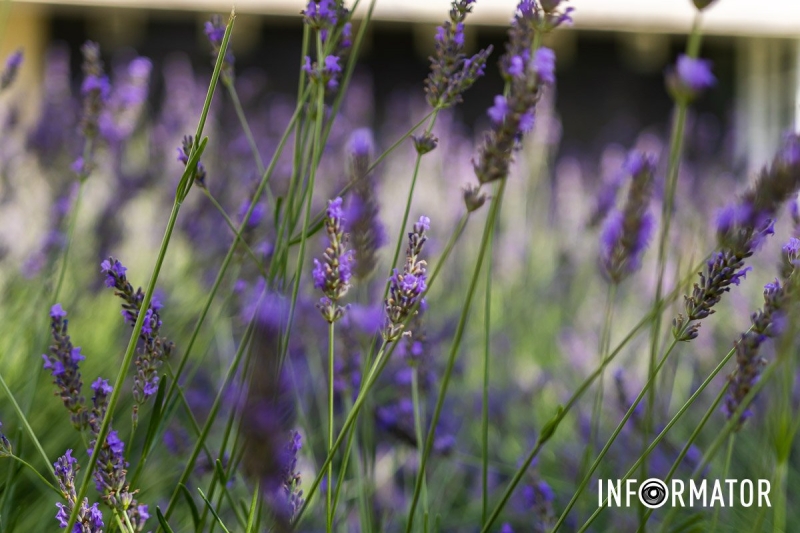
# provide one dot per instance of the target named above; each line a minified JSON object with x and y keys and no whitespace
{"x":499,"y":110}
{"x":695,"y":73}
{"x":544,"y":65}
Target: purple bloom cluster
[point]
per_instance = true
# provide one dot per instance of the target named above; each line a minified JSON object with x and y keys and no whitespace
{"x":154,"y":349}
{"x":741,"y":229}
{"x":626,"y":233}
{"x":95,"y":90}
{"x":407,"y":287}
{"x":63,"y":363}
{"x":90,"y":519}
{"x":769,"y":322}
{"x":121,"y":113}
{"x":690,"y":77}
{"x":9,"y":73}
{"x":111,"y":468}
{"x":184,"y":152}
{"x":332,"y":275}
{"x":364,"y":227}
{"x":452,"y":72}
{"x":215,"y":31}
{"x":331,"y":20}
{"x":512,"y":114}
{"x":290,"y":491}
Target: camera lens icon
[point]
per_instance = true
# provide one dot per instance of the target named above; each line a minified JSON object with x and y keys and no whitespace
{"x":653,"y":493}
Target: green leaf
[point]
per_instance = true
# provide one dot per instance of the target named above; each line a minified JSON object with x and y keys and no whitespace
{"x":192,"y":506}
{"x":163,"y":521}
{"x":213,"y":511}
{"x":155,"y":416}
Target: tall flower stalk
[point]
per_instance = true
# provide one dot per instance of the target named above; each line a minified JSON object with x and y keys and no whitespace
{"x":685,"y":85}
{"x":183,"y":190}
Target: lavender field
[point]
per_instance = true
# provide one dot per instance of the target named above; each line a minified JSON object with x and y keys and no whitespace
{"x":228,"y":308}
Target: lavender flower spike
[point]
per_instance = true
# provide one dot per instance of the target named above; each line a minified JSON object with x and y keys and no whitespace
{"x":154,"y":349}
{"x":407,"y":287}
{"x":90,"y":519}
{"x":111,"y":469}
{"x":9,"y":73}
{"x":63,"y":363}
{"x":513,"y":114}
{"x":626,"y":233}
{"x":367,"y":233}
{"x":95,"y":91}
{"x":741,"y":229}
{"x":452,"y":73}
{"x":769,"y":322}
{"x":332,"y":275}
{"x":215,"y":31}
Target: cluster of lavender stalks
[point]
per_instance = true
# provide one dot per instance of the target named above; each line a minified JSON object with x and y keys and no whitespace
{"x":334,"y":407}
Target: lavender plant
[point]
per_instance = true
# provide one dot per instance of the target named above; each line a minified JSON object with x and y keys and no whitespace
{"x":264,"y":417}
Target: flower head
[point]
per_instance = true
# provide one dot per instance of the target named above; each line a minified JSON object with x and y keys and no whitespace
{"x":452,"y":72}
{"x":690,"y":77}
{"x":332,"y":274}
{"x":63,"y":362}
{"x":407,"y":287}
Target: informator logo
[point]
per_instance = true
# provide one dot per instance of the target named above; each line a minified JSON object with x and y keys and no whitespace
{"x":654,"y":493}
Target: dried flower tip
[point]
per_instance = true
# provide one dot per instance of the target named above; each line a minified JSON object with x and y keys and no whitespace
{"x":473,"y":197}
{"x":425,"y":142}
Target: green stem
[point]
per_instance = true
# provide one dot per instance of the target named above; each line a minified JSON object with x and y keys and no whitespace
{"x":673,"y":166}
{"x":211,"y":417}
{"x":329,"y":492}
{"x":725,"y":471}
{"x":487,"y":327}
{"x":28,"y":429}
{"x":419,"y":435}
{"x":550,"y":428}
{"x":137,"y":328}
{"x":585,"y":481}
{"x":454,"y":349}
{"x":781,"y":476}
{"x":236,"y":232}
{"x":409,"y":198}
{"x":375,"y":370}
{"x":23,"y":462}
{"x":598,"y":399}
{"x":642,"y":458}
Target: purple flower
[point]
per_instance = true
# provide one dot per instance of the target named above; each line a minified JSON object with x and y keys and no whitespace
{"x":215,"y":30}
{"x":626,"y":233}
{"x":63,"y":363}
{"x":332,"y":274}
{"x":57,"y":312}
{"x":332,"y":65}
{"x":690,"y":77}
{"x":499,"y":110}
{"x":544,"y":65}
{"x":155,"y":349}
{"x":407,"y":287}
{"x":516,"y":66}
{"x":9,"y":73}
{"x":90,"y":519}
{"x":452,"y":72}
{"x":361,"y":143}
{"x":114,"y":271}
